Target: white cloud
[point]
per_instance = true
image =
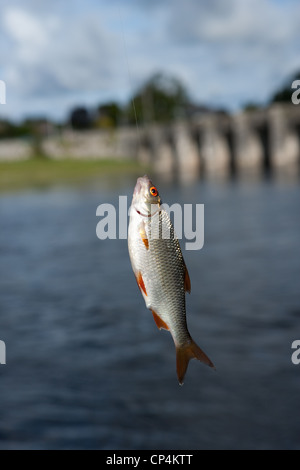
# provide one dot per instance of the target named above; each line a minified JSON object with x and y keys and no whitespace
{"x":235,"y":20}
{"x":250,"y":46}
{"x":226,"y":51}
{"x":50,"y":56}
{"x":23,"y":27}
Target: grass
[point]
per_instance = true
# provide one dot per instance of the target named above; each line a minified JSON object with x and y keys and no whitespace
{"x":38,"y":172}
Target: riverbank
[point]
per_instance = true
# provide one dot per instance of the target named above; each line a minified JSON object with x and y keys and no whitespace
{"x":40,"y":172}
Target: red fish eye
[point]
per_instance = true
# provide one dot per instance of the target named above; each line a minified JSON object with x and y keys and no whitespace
{"x":153,"y":191}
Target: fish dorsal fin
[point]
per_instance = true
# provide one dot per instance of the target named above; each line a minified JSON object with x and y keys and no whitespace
{"x":159,"y":322}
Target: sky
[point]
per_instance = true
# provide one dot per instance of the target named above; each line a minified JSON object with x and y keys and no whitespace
{"x":60,"y":54}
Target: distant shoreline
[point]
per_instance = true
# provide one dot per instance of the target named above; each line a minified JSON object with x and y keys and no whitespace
{"x":39,"y":172}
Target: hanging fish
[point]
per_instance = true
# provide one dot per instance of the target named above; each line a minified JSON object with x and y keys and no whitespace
{"x":160,"y":270}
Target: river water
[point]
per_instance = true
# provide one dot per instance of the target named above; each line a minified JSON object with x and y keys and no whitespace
{"x":87,"y":367}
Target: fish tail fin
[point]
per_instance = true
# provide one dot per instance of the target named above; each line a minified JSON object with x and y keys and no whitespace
{"x":187,"y":352}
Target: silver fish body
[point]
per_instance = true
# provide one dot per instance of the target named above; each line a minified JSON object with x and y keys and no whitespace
{"x":160,"y":270}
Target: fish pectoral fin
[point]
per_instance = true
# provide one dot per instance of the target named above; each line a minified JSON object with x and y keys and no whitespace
{"x":159,"y":322}
{"x":187,"y":280}
{"x":144,"y":235}
{"x":183,"y":356}
{"x":140,"y":282}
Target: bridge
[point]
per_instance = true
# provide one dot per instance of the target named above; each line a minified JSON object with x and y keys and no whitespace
{"x":210,"y":145}
{"x":214,"y":145}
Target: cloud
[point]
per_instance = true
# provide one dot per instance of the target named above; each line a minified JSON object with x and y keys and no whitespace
{"x":57,"y":55}
{"x":234,"y":20}
{"x":227,"y":52}
{"x":24,"y":27}
{"x":249,"y":46}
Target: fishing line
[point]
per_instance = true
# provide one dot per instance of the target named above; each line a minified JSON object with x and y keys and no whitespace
{"x":129,"y":72}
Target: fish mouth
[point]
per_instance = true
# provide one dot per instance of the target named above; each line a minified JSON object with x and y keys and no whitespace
{"x":140,"y":184}
{"x":138,"y":188}
{"x":142,"y":201}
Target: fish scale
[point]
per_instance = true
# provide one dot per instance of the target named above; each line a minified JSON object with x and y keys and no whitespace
{"x":165,"y":258}
{"x":160,"y":270}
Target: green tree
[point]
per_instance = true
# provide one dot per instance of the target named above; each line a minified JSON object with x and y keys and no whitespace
{"x":161,"y":99}
{"x":80,"y":118}
{"x":109,"y":115}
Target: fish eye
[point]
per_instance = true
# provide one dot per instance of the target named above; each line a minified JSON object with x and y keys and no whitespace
{"x":153,"y":191}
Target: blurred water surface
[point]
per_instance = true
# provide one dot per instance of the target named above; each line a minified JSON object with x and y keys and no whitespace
{"x":86,"y":365}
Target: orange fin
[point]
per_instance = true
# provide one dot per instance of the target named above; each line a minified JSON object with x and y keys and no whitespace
{"x":187,"y":280}
{"x":183,"y":356}
{"x":140,"y":282}
{"x":144,"y":236}
{"x":146,"y":242}
{"x":159,"y":322}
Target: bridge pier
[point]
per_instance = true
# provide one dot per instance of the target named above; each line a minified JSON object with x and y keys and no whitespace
{"x":164,"y":161}
{"x":186,"y":153}
{"x":214,"y":149}
{"x":156,"y":150}
{"x":218,"y":145}
{"x":284,"y":143}
{"x":248,"y":150}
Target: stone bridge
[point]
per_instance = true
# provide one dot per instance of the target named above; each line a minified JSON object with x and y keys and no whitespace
{"x":210,"y":145}
{"x":214,"y":145}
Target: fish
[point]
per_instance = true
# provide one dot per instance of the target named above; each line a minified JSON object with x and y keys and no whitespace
{"x":160,"y":271}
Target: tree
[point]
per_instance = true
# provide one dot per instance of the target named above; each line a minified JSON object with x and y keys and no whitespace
{"x":161,"y":99}
{"x":80,"y":118}
{"x":251,"y":106}
{"x":109,"y":115}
